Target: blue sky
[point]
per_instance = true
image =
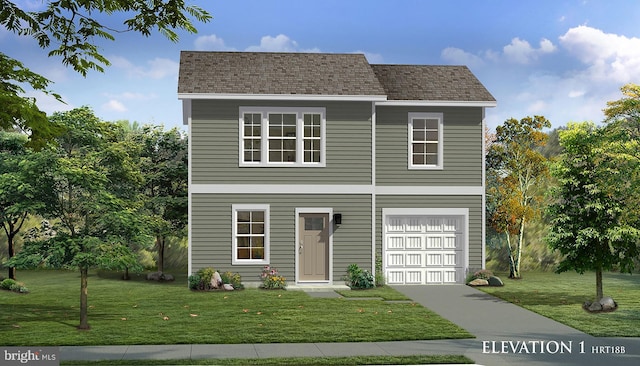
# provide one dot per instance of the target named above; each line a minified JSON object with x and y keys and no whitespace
{"x":560,"y":59}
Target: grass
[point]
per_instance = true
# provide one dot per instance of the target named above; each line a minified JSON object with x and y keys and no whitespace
{"x":141,"y":312}
{"x":297,"y":361}
{"x":560,"y":297}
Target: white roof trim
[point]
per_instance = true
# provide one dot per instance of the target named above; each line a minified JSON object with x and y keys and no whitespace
{"x":306,"y":97}
{"x":436,"y":103}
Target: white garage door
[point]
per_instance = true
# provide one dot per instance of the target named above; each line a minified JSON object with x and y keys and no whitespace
{"x":424,"y":249}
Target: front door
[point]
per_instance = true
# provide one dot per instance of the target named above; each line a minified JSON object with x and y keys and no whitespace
{"x":313,"y":259}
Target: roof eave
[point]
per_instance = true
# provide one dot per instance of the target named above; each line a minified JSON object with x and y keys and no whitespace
{"x":301,"y":97}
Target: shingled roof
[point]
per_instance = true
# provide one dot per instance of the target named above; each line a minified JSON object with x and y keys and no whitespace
{"x":277,"y":73}
{"x":427,"y":82}
{"x":323,"y":74}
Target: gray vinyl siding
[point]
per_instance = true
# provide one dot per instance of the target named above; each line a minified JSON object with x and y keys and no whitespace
{"x":462,"y":154}
{"x":215,"y":139}
{"x":211,"y":233}
{"x":473,"y":203}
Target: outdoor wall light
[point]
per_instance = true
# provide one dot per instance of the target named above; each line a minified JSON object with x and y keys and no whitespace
{"x":337,"y":218}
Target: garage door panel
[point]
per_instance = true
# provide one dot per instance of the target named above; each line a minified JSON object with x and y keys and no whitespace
{"x":394,"y":242}
{"x":424,"y":249}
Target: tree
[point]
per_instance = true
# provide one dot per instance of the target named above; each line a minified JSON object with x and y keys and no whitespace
{"x":164,"y":164}
{"x":515,"y":170}
{"x":24,"y":185}
{"x":589,"y":221}
{"x":94,"y":177}
{"x":69,"y":29}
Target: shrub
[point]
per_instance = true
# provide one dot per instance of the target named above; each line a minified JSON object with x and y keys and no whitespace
{"x":7,"y":283}
{"x":12,"y":285}
{"x":233,"y":279}
{"x":358,"y":278}
{"x":271,"y":279}
{"x":379,"y":272}
{"x":195,"y":282}
{"x":206,"y":274}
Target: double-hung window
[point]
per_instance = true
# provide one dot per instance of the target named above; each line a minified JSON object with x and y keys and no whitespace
{"x":281,"y":136}
{"x":250,"y":234}
{"x":425,"y":141}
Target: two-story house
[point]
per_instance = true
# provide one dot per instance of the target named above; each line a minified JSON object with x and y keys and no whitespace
{"x":309,"y":162}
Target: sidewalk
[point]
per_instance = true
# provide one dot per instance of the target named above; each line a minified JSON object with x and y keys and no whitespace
{"x":505,"y":335}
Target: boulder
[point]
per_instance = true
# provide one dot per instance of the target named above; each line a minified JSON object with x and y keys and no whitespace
{"x":216,"y":280}
{"x":479,"y":282}
{"x":495,"y":281}
{"x":227,"y":287}
{"x":595,"y":306}
{"x":608,"y":304}
{"x":154,"y":276}
{"x":167,"y":277}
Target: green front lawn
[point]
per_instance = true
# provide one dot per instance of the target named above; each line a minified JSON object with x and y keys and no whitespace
{"x":141,"y":312}
{"x":560,"y":297}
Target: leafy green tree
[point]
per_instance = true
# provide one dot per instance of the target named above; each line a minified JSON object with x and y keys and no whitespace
{"x":24,"y":185}
{"x":70,"y":29}
{"x":515,"y":170}
{"x":95,"y":176}
{"x":164,"y":164}
{"x":589,"y":224}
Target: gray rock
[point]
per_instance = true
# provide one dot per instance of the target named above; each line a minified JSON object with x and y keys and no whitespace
{"x":228,"y":287}
{"x":154,"y":276}
{"x":167,"y":277}
{"x":216,"y":280}
{"x":608,"y":304}
{"x":478,"y":282}
{"x":495,"y":281}
{"x":595,"y":306}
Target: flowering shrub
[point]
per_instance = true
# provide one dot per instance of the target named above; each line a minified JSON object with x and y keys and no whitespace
{"x":271,"y":279}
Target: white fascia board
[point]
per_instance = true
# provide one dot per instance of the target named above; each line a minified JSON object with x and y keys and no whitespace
{"x":282,"y":189}
{"x":430,"y":190}
{"x":336,"y":189}
{"x":436,"y":103}
{"x":302,"y":97}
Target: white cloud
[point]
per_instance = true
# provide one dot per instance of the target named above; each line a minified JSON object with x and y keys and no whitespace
{"x":279,"y":43}
{"x":158,"y":68}
{"x":609,"y":57}
{"x":372,"y":58}
{"x":459,"y":56}
{"x":114,"y":106}
{"x":576,"y":93}
{"x":131,"y":96}
{"x":211,"y":43}
{"x":520,"y":51}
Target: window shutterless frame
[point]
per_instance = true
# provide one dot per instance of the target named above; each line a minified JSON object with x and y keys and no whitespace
{"x":282,"y":137}
{"x":425,"y":140}
{"x":250,"y":231}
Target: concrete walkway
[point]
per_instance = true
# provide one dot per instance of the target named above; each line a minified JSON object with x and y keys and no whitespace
{"x":505,"y":335}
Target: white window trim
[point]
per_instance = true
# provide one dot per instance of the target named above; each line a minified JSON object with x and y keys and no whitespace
{"x":234,"y":233}
{"x":264,"y":136}
{"x":440,"y":118}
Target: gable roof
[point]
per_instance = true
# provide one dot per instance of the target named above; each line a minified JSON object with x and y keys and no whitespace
{"x":322,"y":75}
{"x":433,"y":83}
{"x":277,"y":74}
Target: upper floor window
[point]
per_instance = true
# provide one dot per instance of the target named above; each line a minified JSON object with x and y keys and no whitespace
{"x":282,"y":136}
{"x":425,"y":140}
